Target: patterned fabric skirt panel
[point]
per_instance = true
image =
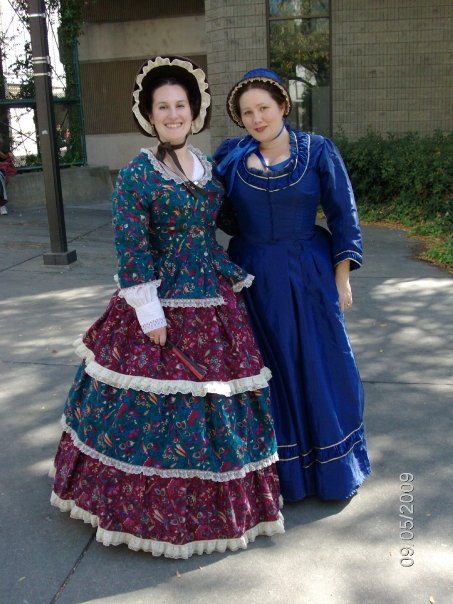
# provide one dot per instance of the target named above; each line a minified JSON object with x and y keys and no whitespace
{"x":174,"y":517}
{"x":217,"y":337}
{"x":143,"y":432}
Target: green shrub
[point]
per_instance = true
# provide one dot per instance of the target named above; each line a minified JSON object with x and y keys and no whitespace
{"x":405,"y":179}
{"x":414,"y":174}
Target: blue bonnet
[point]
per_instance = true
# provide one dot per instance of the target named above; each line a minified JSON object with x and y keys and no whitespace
{"x":260,"y":74}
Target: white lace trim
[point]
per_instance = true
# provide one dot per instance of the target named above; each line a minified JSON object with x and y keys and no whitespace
{"x":139,"y":295}
{"x":152,"y":324}
{"x":145,"y":292}
{"x":192,"y":302}
{"x":147,"y":306}
{"x":151,"y":315}
{"x":166,"y":175}
{"x":162,"y":548}
{"x":129,"y":468}
{"x":247,"y":282}
{"x":145,"y":384}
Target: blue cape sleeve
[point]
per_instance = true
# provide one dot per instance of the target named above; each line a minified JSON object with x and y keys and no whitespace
{"x":222,"y":151}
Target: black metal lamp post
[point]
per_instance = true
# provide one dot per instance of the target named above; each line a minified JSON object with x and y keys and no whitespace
{"x":59,"y":253}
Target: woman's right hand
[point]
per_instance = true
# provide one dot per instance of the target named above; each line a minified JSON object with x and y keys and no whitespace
{"x":158,"y":336}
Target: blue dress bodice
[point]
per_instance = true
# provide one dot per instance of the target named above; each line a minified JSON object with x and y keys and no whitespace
{"x":281,"y":205}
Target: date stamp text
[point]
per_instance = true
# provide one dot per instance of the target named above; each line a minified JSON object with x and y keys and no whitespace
{"x":406,"y":518}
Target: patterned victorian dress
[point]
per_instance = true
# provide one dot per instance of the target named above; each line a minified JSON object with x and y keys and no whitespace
{"x":316,"y":391}
{"x":150,"y":455}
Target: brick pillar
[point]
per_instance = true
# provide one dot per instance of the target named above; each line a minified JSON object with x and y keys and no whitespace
{"x":236,"y":41}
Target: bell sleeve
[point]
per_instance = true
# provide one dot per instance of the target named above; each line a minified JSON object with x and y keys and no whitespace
{"x":338,"y":204}
{"x":136,"y":275}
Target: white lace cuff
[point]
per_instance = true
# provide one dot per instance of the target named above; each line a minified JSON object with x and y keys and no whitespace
{"x":151,"y":316}
{"x":139,"y":295}
{"x":144,"y":300}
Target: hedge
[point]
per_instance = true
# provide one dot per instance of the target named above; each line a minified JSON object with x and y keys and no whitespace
{"x":412,"y":173}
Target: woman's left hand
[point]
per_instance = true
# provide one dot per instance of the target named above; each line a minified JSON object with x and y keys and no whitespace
{"x":343,"y":285}
{"x":158,"y":336}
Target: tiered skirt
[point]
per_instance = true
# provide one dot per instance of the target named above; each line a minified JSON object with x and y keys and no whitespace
{"x":158,"y":459}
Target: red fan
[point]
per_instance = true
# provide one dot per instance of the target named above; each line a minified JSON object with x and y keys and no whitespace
{"x":198,"y":371}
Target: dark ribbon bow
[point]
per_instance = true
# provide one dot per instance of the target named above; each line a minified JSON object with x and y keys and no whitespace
{"x":162,"y":150}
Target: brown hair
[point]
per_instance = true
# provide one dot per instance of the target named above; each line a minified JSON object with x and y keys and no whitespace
{"x":194,"y":102}
{"x":275,"y":93}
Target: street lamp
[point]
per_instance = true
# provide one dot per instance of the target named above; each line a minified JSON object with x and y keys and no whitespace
{"x":59,"y":253}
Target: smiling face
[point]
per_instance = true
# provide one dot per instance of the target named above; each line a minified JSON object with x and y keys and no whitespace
{"x":261,"y":115}
{"x":171,"y":113}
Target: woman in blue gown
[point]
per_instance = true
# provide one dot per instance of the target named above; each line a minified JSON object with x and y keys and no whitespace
{"x":276,"y":178}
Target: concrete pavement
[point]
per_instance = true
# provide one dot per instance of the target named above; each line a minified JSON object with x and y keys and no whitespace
{"x":338,"y":553}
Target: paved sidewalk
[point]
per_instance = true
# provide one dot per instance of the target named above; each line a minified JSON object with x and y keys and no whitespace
{"x":332,"y":553}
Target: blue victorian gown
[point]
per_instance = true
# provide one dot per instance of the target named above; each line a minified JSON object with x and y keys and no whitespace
{"x":316,"y":390}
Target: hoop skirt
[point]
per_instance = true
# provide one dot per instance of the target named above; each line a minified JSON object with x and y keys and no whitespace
{"x":317,"y":395}
{"x":150,"y":455}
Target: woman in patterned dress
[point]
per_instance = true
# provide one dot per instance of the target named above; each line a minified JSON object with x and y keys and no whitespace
{"x":276,"y":178}
{"x":152,"y":455}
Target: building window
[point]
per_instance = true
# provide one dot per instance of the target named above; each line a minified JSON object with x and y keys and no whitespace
{"x":299,"y":51}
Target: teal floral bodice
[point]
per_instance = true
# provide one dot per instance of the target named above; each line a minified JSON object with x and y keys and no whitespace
{"x":163,"y":232}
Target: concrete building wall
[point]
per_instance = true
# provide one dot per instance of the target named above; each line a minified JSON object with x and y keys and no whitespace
{"x":136,"y":39}
{"x":391,"y":65}
{"x":115,"y":150}
{"x":81,"y":185}
{"x":236,"y":41}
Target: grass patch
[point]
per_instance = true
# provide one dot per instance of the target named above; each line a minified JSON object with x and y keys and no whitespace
{"x":434,"y":234}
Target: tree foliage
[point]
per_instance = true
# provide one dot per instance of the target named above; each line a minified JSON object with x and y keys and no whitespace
{"x":70,"y":17}
{"x":294,"y":43}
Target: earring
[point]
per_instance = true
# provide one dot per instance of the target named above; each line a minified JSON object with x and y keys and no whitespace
{"x":153,"y":130}
{"x":191,"y":128}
